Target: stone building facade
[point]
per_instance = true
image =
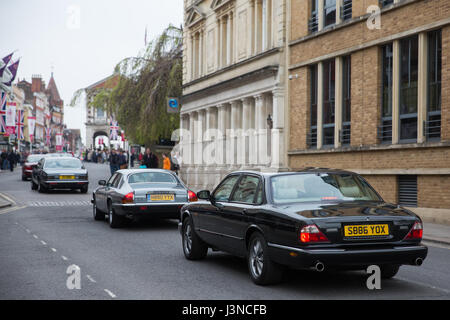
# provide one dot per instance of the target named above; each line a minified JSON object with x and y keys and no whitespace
{"x":369,"y":93}
{"x":234,"y":88}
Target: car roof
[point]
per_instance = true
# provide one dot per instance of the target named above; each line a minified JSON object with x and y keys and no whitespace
{"x":60,"y":157}
{"x":304,"y":170}
{"x":128,"y":171}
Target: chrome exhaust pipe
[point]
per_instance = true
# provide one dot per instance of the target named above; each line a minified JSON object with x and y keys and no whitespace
{"x":319,"y":267}
{"x":418,"y":261}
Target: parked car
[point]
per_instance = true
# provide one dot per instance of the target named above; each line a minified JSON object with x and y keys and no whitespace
{"x":130,"y":193}
{"x":30,"y":163}
{"x":59,"y":173}
{"x":313,"y":219}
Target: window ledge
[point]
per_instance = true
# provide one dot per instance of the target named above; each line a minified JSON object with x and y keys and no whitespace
{"x":379,"y":147}
{"x":350,"y":22}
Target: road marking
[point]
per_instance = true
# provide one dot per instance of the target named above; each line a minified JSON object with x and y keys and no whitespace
{"x":43,"y":242}
{"x":64,"y":258}
{"x":35,"y":236}
{"x":423,"y":284}
{"x":91,"y":279}
{"x":80,"y":203}
{"x":11,"y":209}
{"x":27,"y":230}
{"x":112,"y":295}
{"x":54,"y":250}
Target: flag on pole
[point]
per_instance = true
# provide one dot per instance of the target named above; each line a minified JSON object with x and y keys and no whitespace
{"x":114,"y":127}
{"x":3,"y":112}
{"x":5,"y":61}
{"x":13,"y":68}
{"x":48,"y":134}
{"x":20,"y":122}
{"x":31,"y":126}
{"x":10,"y":118}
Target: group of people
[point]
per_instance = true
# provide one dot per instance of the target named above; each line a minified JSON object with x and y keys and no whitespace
{"x":97,"y":156}
{"x":117,"y":160}
{"x":9,"y":159}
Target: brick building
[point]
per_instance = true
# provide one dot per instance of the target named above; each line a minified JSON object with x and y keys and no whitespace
{"x":372,"y":98}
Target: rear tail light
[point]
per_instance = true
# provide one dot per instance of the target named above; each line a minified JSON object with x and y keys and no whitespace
{"x":416,"y":232}
{"x":192,"y":197}
{"x":27,"y":167}
{"x":129,"y":198}
{"x":311,"y":233}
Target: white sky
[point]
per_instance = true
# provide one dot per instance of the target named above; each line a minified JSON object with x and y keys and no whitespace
{"x":82,"y":49}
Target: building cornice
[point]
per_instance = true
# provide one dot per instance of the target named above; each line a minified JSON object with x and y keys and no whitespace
{"x":239,"y":80}
{"x":233,"y":66}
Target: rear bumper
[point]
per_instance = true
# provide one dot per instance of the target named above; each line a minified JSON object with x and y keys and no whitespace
{"x":73,"y":184}
{"x":307,"y":258}
{"x":150,"y":210}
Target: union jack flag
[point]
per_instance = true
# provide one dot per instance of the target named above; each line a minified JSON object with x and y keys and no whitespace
{"x":48,"y":134}
{"x":20,"y":122}
{"x":114,"y":127}
{"x":3,"y":112}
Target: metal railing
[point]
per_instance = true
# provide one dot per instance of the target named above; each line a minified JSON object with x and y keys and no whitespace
{"x":311,"y":138}
{"x":385,"y":131}
{"x":313,"y":23}
{"x":345,"y":133}
{"x":347,"y":10}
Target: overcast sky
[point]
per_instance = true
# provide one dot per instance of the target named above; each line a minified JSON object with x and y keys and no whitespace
{"x":82,"y":39}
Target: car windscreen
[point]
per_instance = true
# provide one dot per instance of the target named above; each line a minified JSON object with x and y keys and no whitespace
{"x":320,"y":187}
{"x":35,"y":158}
{"x":151,"y":177}
{"x":62,"y":164}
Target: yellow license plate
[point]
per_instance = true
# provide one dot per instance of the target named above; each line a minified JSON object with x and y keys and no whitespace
{"x":162,"y":197}
{"x":66,"y":177}
{"x":366,"y":230}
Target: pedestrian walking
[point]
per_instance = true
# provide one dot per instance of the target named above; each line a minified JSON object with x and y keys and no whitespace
{"x":150,"y":159}
{"x":11,"y":159}
{"x":113,"y":161}
{"x":123,"y":164}
{"x":166,"y":162}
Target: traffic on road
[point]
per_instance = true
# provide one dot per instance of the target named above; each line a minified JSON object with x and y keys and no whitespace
{"x":294,"y":232}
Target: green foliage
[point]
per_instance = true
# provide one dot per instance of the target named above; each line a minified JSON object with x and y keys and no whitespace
{"x":139,"y":101}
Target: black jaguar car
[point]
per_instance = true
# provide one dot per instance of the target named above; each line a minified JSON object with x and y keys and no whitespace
{"x":59,"y":173}
{"x":313,"y":219}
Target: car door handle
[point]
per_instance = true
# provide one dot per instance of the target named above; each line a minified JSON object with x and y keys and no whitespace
{"x":244,"y":211}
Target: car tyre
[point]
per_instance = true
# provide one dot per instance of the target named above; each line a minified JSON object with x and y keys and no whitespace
{"x":98,"y":215}
{"x":41,"y":188}
{"x":389,"y":271}
{"x":84,"y":189}
{"x":193,"y":247}
{"x":115,"y":221}
{"x":263,"y":271}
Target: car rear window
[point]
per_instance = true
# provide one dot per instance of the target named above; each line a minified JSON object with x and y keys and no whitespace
{"x":35,"y":158}
{"x":62,"y":164}
{"x":295,"y":188}
{"x":151,"y":177}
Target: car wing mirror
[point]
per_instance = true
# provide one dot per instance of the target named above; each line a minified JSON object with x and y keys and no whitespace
{"x":204,"y":195}
{"x":102,"y":182}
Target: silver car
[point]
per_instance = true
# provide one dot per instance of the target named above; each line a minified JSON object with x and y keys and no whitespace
{"x":130,"y":193}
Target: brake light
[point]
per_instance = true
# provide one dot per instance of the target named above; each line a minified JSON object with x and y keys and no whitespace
{"x":311,"y":233}
{"x":129,"y":198}
{"x":192,"y":197}
{"x":416,"y":232}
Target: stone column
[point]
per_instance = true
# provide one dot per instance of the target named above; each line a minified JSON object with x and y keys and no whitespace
{"x":234,"y":136}
{"x":200,"y":54}
{"x":260,"y":128}
{"x":278,"y":135}
{"x":422,"y":87}
{"x":257,"y":26}
{"x":192,"y":58}
{"x":251,"y":30}
{"x":228,"y":52}
{"x":218,"y":43}
{"x":246,"y":126}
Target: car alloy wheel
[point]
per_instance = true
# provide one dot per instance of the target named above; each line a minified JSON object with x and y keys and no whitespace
{"x":256,"y":258}
{"x":187,"y":239}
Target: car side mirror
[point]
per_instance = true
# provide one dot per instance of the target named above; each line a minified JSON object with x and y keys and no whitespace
{"x":102,"y":182}
{"x":204,"y":195}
